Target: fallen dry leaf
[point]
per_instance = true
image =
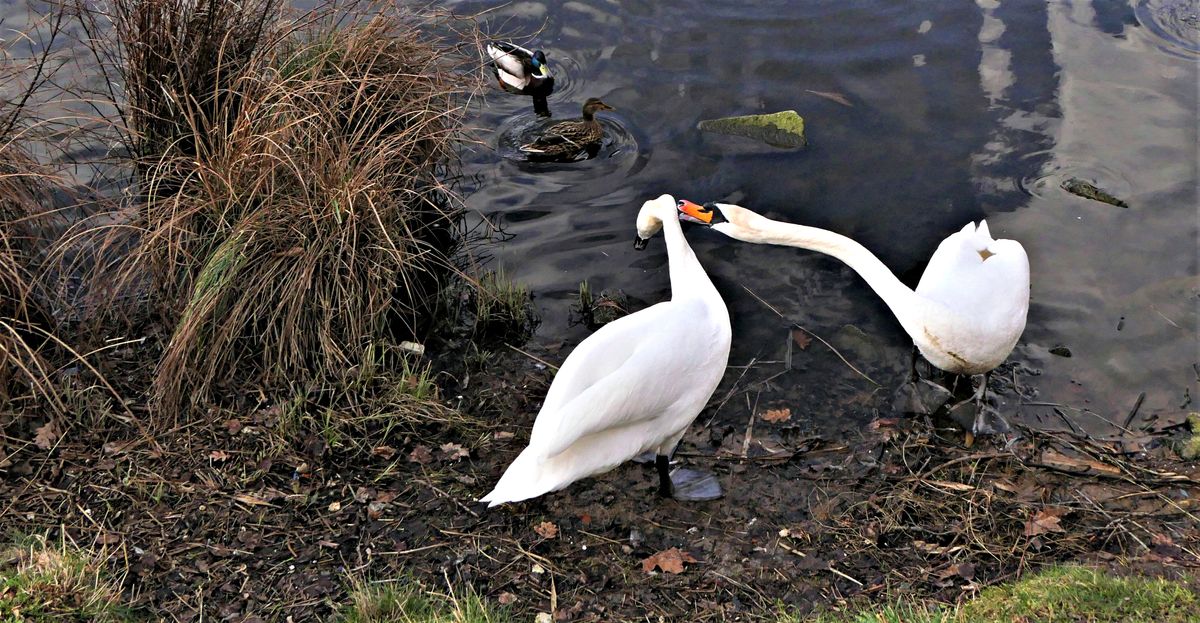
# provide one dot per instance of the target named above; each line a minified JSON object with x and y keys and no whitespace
{"x":501,"y":435}
{"x":118,"y":447}
{"x":1078,"y":465}
{"x":383,"y":452}
{"x":233,"y":426}
{"x":420,"y":455}
{"x":335,"y":507}
{"x":46,"y":434}
{"x":251,"y":500}
{"x":506,"y":599}
{"x":453,"y":451}
{"x":546,"y":530}
{"x":669,"y":560}
{"x":1045,"y":520}
{"x":777,"y":415}
{"x":801,"y":338}
{"x":218,"y":455}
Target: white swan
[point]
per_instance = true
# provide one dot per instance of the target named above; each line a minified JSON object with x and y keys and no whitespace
{"x":633,"y":386}
{"x":968,"y":309}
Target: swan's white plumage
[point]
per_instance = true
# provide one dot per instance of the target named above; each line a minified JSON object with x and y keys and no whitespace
{"x":969,"y":308}
{"x":633,"y":386}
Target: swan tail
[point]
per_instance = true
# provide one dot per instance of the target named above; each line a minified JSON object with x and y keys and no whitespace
{"x":525,"y":478}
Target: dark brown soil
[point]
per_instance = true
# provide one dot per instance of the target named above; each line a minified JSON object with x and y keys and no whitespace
{"x":220,"y":518}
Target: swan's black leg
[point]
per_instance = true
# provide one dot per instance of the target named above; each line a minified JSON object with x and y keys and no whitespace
{"x":663,"y":464}
{"x":918,"y":395}
{"x":988,"y":420}
{"x":685,"y":485}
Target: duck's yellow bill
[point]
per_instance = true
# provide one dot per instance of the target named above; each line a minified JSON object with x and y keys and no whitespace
{"x":694,"y":212}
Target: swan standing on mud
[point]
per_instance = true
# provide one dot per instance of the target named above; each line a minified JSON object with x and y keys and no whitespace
{"x":966,"y":314}
{"x":633,"y":386}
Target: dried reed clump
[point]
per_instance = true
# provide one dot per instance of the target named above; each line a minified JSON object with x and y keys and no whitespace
{"x":177,"y":62}
{"x":317,"y":220}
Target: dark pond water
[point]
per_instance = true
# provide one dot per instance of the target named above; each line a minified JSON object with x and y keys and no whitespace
{"x":959,"y":111}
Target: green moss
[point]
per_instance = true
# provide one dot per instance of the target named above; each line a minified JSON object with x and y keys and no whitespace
{"x":404,"y":601}
{"x":782,"y":129}
{"x":1067,"y":593}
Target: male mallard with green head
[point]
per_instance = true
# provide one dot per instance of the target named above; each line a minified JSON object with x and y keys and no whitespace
{"x":519,"y":70}
{"x":566,"y":139}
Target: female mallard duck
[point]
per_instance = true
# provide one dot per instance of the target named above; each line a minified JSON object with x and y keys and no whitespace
{"x":520,"y":71}
{"x":565,"y":140}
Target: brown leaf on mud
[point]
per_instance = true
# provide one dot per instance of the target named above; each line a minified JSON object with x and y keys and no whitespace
{"x":251,"y":500}
{"x":669,"y":560}
{"x":546,"y":530}
{"x":1045,"y":520}
{"x":454,"y":451}
{"x":420,"y":455}
{"x":801,"y":338}
{"x":777,"y":415}
{"x":383,"y":452}
{"x":46,"y":434}
{"x":1083,"y":465}
{"x":502,"y":435}
{"x":506,"y":599}
{"x":233,"y":426}
{"x":108,"y":538}
{"x":119,"y":447}
{"x":218,"y":455}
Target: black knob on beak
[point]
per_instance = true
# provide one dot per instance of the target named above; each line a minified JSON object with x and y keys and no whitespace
{"x":639,"y":243}
{"x":710,"y":205}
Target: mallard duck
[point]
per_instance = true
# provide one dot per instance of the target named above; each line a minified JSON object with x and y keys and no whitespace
{"x":965,"y":316}
{"x":566,"y":139}
{"x":634,"y":385}
{"x":520,"y":71}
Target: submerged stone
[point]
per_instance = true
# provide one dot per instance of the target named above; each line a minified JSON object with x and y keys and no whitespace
{"x":1080,"y":188}
{"x":783,"y":129}
{"x":1189,"y":449}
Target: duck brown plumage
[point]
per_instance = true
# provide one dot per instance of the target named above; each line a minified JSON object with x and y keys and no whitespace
{"x":566,"y":139}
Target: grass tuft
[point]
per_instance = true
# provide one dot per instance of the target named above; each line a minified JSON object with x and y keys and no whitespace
{"x":405,"y":601}
{"x":1069,"y":593}
{"x":40,"y":581}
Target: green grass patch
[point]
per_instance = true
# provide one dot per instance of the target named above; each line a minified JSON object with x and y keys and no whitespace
{"x":404,"y":601}
{"x":1066,"y":593}
{"x":42,"y":582}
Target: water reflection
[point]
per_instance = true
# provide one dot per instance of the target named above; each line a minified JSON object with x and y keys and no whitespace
{"x":1011,"y":99}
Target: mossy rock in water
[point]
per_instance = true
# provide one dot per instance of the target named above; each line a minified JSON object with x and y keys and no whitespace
{"x":782,"y":129}
{"x":1189,"y":448}
{"x":1087,"y":190}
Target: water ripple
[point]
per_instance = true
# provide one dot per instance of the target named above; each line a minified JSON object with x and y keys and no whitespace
{"x":1174,"y":23}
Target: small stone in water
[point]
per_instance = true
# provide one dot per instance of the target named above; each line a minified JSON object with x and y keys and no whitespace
{"x":1061,"y":351}
{"x":1080,"y":188}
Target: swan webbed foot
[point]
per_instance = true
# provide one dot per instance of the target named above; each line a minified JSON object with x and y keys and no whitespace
{"x":685,"y":485}
{"x":977,"y":417}
{"x":689,"y":485}
{"x":921,"y":397}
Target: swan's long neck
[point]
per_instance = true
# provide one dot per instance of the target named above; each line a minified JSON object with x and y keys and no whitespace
{"x":906,"y":304}
{"x":687,"y":275}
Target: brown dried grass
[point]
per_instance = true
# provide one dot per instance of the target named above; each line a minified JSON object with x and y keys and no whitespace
{"x":294,"y":206}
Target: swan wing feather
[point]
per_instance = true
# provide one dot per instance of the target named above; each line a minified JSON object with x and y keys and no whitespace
{"x":616,"y":378}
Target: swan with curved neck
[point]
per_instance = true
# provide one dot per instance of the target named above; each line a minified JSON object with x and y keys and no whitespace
{"x":967,"y":311}
{"x":633,"y":386}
